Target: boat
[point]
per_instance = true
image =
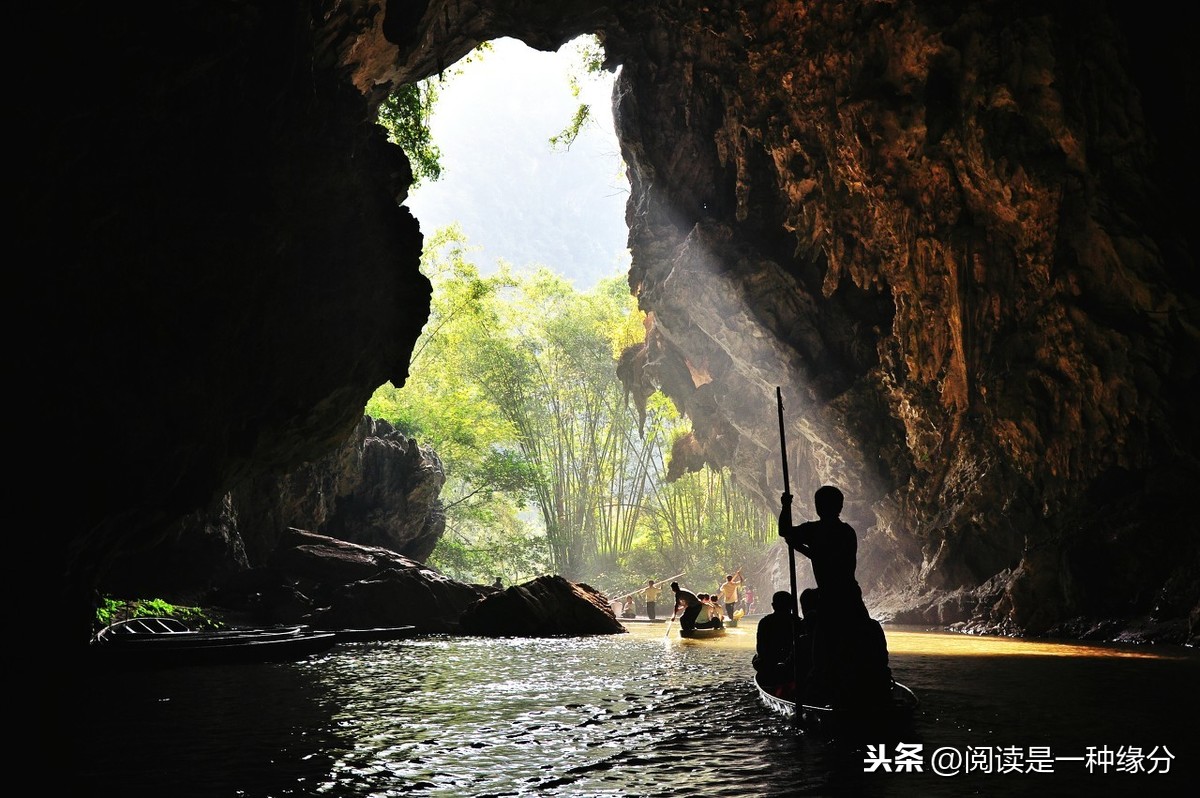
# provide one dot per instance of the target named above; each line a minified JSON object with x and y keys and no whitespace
{"x":164,"y":641}
{"x":375,"y":633}
{"x":702,"y":634}
{"x":156,"y":630}
{"x":831,"y":721}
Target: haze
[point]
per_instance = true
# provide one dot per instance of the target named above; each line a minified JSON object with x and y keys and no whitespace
{"x":516,"y":197}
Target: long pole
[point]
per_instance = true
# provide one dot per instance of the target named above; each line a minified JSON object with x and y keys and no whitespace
{"x":786,"y":510}
{"x":787,"y":489}
{"x":659,"y":582}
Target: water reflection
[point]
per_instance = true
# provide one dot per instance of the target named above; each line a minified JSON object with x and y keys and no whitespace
{"x":641,"y":714}
{"x":912,"y":641}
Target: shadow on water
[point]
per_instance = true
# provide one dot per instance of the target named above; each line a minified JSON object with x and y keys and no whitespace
{"x":250,"y":729}
{"x":640,"y":714}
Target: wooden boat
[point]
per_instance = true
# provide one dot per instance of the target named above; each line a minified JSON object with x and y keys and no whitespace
{"x":702,"y":634}
{"x":830,"y":721}
{"x":159,"y":630}
{"x":375,"y":633}
{"x":162,"y":641}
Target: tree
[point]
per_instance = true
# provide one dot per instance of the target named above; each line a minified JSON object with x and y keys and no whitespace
{"x":513,"y":382}
{"x":405,"y":114}
{"x":488,"y":481}
{"x":590,"y":54}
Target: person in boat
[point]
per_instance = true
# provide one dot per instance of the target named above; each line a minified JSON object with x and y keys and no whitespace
{"x":783,"y":639}
{"x":650,"y":594}
{"x":627,"y":610}
{"x":687,"y":607}
{"x":831,"y":545}
{"x":810,"y":609}
{"x":729,"y":592}
{"x":872,"y":677}
{"x":709,"y":616}
{"x":747,"y":599}
{"x":498,"y":584}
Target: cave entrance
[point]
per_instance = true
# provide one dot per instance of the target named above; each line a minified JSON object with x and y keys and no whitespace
{"x":511,"y":180}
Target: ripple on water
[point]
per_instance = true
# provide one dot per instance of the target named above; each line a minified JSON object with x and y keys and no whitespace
{"x":626,"y":715}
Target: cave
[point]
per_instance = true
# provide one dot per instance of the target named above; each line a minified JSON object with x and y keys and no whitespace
{"x":958,"y":236}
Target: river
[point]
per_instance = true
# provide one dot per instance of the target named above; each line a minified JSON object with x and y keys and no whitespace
{"x":638,"y":714}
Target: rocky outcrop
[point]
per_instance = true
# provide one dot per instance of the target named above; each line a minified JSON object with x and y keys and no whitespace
{"x":946,"y":232}
{"x":549,"y":606}
{"x":331,"y":584}
{"x":956,"y":233}
{"x":378,"y":488}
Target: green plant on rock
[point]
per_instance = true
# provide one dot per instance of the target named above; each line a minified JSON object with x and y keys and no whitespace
{"x":111,"y":610}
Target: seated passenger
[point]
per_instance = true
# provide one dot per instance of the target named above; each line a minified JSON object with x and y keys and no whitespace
{"x":871,"y":677}
{"x":709,"y":617}
{"x":780,"y":634}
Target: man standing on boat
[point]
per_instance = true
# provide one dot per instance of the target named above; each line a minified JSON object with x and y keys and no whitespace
{"x":729,"y":592}
{"x":650,"y":594}
{"x":832,"y":546}
{"x":689,"y":604}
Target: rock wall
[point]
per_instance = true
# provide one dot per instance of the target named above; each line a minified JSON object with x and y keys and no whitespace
{"x":951,"y":234}
{"x":956,"y":233}
{"x":377,"y":489}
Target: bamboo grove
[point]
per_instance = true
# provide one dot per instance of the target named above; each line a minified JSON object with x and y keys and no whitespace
{"x":513,"y":384}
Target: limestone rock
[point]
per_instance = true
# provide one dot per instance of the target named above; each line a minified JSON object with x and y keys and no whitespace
{"x":377,"y":488}
{"x":332,"y":584}
{"x":549,"y":606}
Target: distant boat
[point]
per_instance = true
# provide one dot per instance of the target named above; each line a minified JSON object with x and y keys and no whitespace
{"x":833,"y":721}
{"x":702,"y":634}
{"x":164,"y":641}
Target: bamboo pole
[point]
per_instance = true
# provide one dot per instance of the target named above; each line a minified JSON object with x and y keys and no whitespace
{"x":640,"y":589}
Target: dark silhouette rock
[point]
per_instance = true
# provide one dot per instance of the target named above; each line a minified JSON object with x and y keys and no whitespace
{"x":378,"y":488}
{"x":549,"y":606}
{"x":332,"y":584}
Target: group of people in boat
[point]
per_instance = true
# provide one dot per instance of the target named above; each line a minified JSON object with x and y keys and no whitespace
{"x":833,"y":652}
{"x":729,"y":601}
{"x":697,"y":610}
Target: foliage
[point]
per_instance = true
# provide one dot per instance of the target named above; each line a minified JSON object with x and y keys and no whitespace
{"x":590,"y":55}
{"x":564,"y":139}
{"x":111,"y":610}
{"x":405,"y":115}
{"x":513,"y":383}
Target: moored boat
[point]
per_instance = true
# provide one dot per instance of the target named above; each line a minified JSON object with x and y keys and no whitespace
{"x":158,"y":630}
{"x":163,"y":641}
{"x":375,"y":634}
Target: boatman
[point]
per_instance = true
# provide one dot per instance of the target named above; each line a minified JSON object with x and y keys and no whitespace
{"x":729,"y":592}
{"x":650,"y":594}
{"x":689,"y":604}
{"x":831,"y":546}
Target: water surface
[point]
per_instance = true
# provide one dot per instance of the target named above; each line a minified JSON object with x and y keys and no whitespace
{"x":640,"y":714}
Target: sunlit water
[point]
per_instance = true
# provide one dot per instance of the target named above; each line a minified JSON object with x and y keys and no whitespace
{"x":641,"y":714}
